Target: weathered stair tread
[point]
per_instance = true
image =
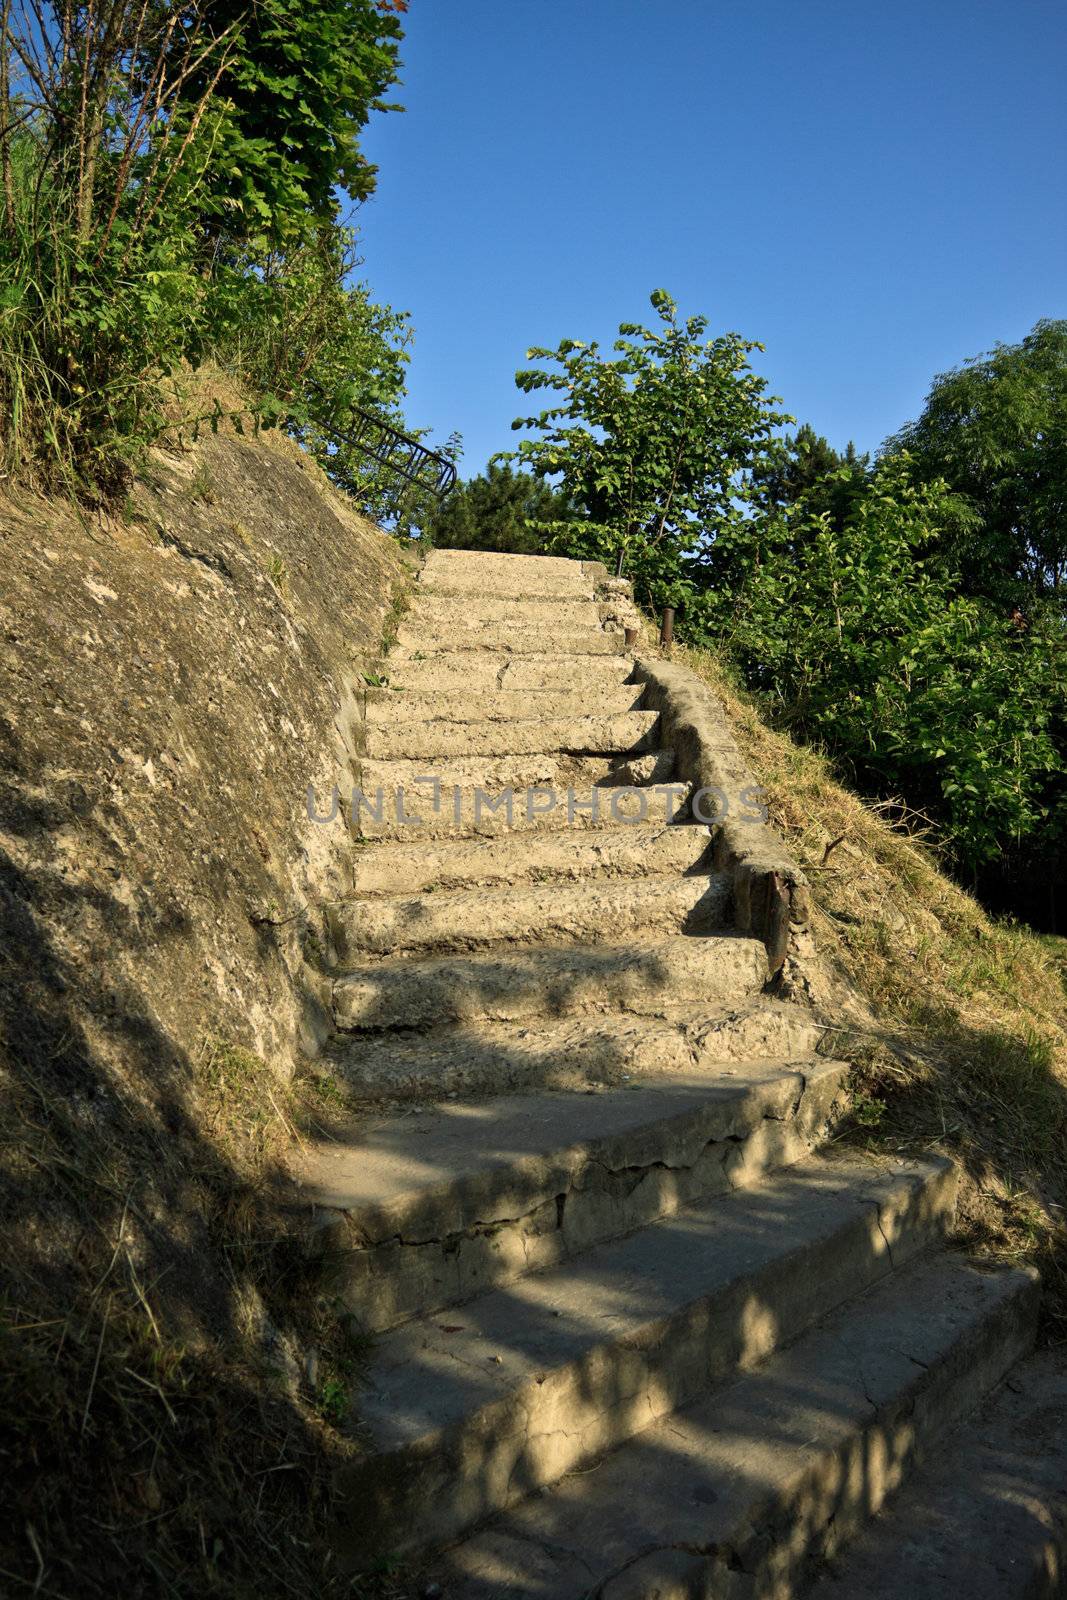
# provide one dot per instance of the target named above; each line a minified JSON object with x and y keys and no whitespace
{"x":511,"y":638}
{"x":626,"y":852}
{"x":464,"y":612}
{"x":492,"y":572}
{"x":444,"y":1204}
{"x":558,"y":772}
{"x":461,"y":672}
{"x":633,"y":730}
{"x":467,"y":1411}
{"x":576,"y":807}
{"x":566,"y":1052}
{"x":752,"y":1482}
{"x":640,"y":976}
{"x":383,"y":707}
{"x":452,"y":1166}
{"x":597,"y":911}
{"x":985,"y":1519}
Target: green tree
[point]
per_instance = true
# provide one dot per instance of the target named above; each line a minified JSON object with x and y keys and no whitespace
{"x":806,"y":465}
{"x":500,"y":510}
{"x":300,"y":82}
{"x":996,"y":430}
{"x":121,"y":130}
{"x":860,"y":639}
{"x":655,"y":447}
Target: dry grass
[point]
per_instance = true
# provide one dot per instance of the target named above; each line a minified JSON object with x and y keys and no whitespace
{"x":171,"y":1374}
{"x":965,"y":1045}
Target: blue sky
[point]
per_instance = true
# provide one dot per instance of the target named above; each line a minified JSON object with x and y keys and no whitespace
{"x":875,"y":191}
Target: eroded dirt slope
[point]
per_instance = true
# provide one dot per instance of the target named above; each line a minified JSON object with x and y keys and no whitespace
{"x":170,"y":682}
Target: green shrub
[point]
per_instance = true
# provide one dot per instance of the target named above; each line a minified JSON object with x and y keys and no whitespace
{"x":131,"y":252}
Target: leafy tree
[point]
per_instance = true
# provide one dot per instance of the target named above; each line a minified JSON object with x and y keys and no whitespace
{"x":654,"y":446}
{"x":501,"y":510}
{"x":996,"y":430}
{"x":300,"y":82}
{"x":807,"y":465}
{"x":122,"y":128}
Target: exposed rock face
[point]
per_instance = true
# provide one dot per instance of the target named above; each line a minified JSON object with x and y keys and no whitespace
{"x":171,"y":685}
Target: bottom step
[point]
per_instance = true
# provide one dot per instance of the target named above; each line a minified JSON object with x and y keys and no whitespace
{"x":742,"y":1492}
{"x":986,"y":1519}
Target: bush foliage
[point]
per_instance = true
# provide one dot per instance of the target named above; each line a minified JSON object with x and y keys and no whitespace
{"x":169,"y":175}
{"x":906,"y":616}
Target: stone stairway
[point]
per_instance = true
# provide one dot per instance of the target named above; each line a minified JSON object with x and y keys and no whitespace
{"x":635,"y":1328}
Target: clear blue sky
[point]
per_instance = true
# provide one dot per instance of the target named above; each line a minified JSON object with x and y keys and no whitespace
{"x":873,"y":190}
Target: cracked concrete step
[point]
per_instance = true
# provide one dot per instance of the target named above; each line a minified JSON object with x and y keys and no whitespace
{"x":460,"y":672}
{"x":628,"y":852}
{"x":465,"y":814}
{"x":593,"y":912}
{"x":985,"y":1518}
{"x":510,"y":638}
{"x":739,"y":1493}
{"x":572,"y":1052}
{"x":425,"y":1210}
{"x":639,"y":978}
{"x":384,"y":707}
{"x":491,"y":573}
{"x":428,"y":778}
{"x":461,"y":613}
{"x":465,"y":1414}
{"x":632,"y":732}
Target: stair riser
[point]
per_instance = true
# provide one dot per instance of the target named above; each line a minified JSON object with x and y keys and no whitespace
{"x":387,"y":707}
{"x":518,"y":577}
{"x":986,"y":1515}
{"x":460,"y":614}
{"x":502,"y":1452}
{"x":750,"y":1490}
{"x":466,"y":816}
{"x":513,"y":640}
{"x":638,"y":852}
{"x":539,"y":781}
{"x":815,"y":1515}
{"x":492,"y":670}
{"x":632,"y":733}
{"x":634,"y":981}
{"x":378,"y":1066}
{"x":596,"y":913}
{"x":493,"y":1229}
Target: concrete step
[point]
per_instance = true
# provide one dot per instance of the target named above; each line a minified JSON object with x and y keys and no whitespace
{"x":555,"y":771}
{"x":426,"y":1210}
{"x":481,"y":1057}
{"x":387,"y":706}
{"x":595,"y":912}
{"x":568,"y":811}
{"x":986,"y":1517}
{"x":739,"y":1493}
{"x":487,"y":572}
{"x":461,"y":671}
{"x":511,"y":638}
{"x":463,"y":612}
{"x":573,"y":854}
{"x":464,"y":1415}
{"x":632,"y":732}
{"x":639,"y":978}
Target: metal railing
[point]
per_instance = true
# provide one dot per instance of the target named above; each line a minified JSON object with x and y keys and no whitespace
{"x":397,"y":452}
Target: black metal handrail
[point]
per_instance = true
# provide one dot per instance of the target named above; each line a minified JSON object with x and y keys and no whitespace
{"x":398,"y":452}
